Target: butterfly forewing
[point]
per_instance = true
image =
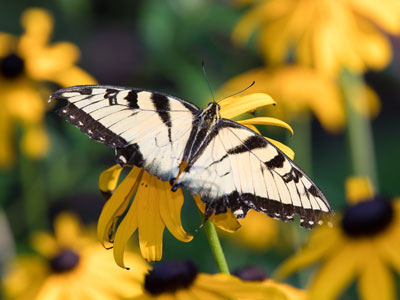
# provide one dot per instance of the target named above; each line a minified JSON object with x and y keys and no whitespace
{"x":147,"y":129}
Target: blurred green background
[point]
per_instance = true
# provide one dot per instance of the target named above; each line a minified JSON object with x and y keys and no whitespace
{"x":159,"y":45}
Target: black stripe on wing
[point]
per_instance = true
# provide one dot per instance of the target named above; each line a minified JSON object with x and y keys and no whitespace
{"x":91,"y":127}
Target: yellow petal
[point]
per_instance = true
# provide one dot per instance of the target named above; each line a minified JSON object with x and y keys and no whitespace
{"x":322,"y":242}
{"x":267,"y":121}
{"x":67,"y":229}
{"x":254,"y":128}
{"x":170,"y":210}
{"x":52,"y":61}
{"x":232,"y":287}
{"x":124,"y":232}
{"x":257,"y":232}
{"x":237,"y":105}
{"x":7,"y":44}
{"x":73,"y":76}
{"x":116,"y":205}
{"x":327,"y":284}
{"x":108,"y":179}
{"x":150,"y":224}
{"x":285,"y":149}
{"x":389,"y":250}
{"x":38,"y":25}
{"x":226,"y":221}
{"x":35,"y":142}
{"x":376,"y":281}
{"x":359,"y":189}
{"x":199,"y":293}
{"x":7,"y":150}
{"x":290,"y":292}
{"x":45,"y":244}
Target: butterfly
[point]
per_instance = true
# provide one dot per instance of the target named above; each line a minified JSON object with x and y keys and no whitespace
{"x":227,"y":164}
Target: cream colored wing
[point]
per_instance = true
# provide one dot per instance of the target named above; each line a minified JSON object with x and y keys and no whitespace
{"x":241,"y":170}
{"x":147,"y":129}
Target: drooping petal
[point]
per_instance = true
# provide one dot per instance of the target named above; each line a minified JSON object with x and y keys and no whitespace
{"x":327,"y":283}
{"x":226,"y":221}
{"x":117,"y":204}
{"x":235,"y":106}
{"x":7,"y":153}
{"x":266,"y":121}
{"x":389,"y":250}
{"x":376,"y":281}
{"x":150,"y":224}
{"x":108,"y":179}
{"x":124,"y":232}
{"x":170,"y":205}
{"x":285,"y":149}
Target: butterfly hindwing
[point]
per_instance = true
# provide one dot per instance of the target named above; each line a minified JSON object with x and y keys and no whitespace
{"x":241,"y":170}
{"x":148,"y":129}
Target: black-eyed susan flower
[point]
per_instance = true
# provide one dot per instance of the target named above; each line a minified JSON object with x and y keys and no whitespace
{"x":300,"y":90}
{"x":25,"y":63}
{"x":155,"y":206}
{"x":72,"y":265}
{"x":363,"y":244}
{"x":328,"y":35}
{"x":256,"y":274}
{"x":181,"y":280}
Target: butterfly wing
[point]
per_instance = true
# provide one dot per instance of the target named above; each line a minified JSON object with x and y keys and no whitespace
{"x":148,"y":129}
{"x":241,"y":170}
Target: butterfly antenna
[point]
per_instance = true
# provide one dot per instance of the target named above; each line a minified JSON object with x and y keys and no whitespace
{"x":208,"y":82}
{"x":238,"y":92}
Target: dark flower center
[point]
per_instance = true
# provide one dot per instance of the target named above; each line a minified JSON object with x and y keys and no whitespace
{"x":170,"y":276}
{"x":367,"y":218}
{"x":64,"y":261}
{"x":11,"y":66}
{"x":251,"y":273}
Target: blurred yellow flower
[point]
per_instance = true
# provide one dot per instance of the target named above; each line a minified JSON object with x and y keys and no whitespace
{"x":257,"y":231}
{"x":298,"y":90}
{"x":155,"y":206}
{"x":181,"y":280}
{"x":363,"y":244}
{"x":326,"y":34}
{"x":25,"y":62}
{"x":256,"y":274}
{"x":72,"y":265}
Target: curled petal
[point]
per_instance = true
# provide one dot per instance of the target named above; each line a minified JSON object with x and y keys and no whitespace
{"x":267,"y":121}
{"x":170,"y":207}
{"x":117,"y":204}
{"x":252,"y":127}
{"x":285,"y":149}
{"x":108,"y":179}
{"x":235,"y":106}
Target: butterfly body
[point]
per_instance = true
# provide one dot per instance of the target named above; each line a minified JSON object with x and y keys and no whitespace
{"x":225,"y":163}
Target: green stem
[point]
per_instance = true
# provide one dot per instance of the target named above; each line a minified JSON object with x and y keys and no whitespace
{"x":359,"y":132}
{"x":216,"y":248}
